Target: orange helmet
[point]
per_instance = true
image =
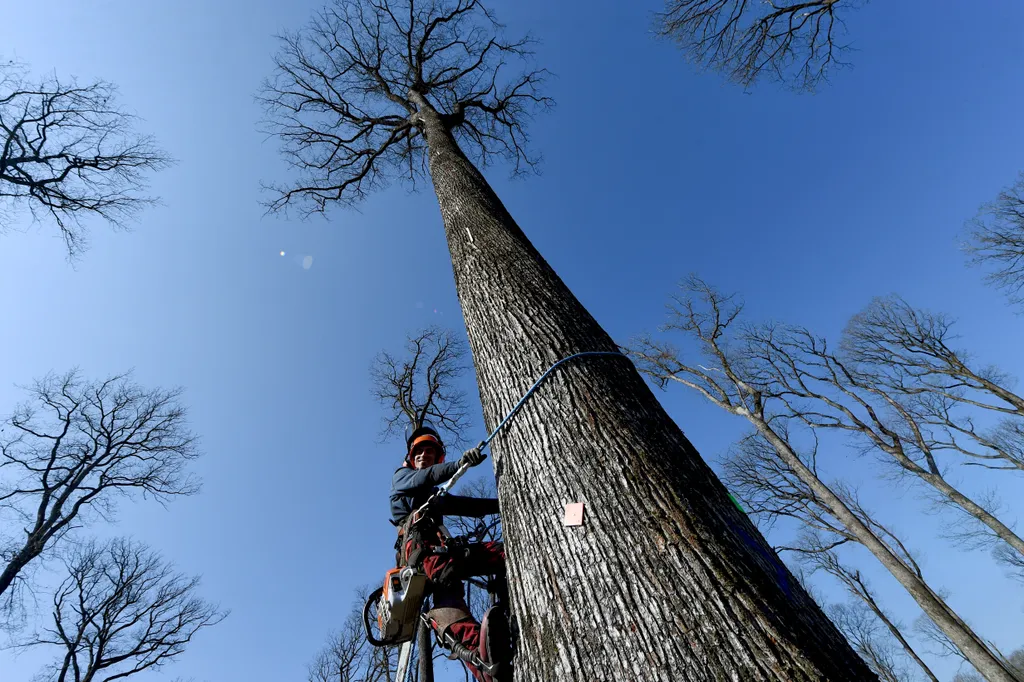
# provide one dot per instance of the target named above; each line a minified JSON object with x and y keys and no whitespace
{"x":420,"y":435}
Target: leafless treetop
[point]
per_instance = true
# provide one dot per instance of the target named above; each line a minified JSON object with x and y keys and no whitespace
{"x":122,"y":610}
{"x":796,"y":42}
{"x":69,"y":150}
{"x":909,"y":354}
{"x":346,"y":655}
{"x":422,"y":386}
{"x":344,"y":96}
{"x":997,"y":240}
{"x":865,"y":633}
{"x":77,"y":447}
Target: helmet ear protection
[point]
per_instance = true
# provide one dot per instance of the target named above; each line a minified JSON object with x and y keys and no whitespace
{"x":418,"y":436}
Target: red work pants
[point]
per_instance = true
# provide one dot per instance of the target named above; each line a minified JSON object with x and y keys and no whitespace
{"x":446,"y":573}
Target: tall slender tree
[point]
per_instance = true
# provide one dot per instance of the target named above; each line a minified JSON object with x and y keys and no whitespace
{"x":779,"y":480}
{"x":861,"y":628}
{"x":666,"y":579}
{"x":772,"y":489}
{"x":839,"y":391}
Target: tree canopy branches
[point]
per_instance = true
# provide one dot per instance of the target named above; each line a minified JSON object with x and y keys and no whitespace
{"x":121,"y":610}
{"x":422,"y":386}
{"x":997,"y":241}
{"x":347,"y":88}
{"x":795,"y":42}
{"x":68,"y":150}
{"x":77,"y":447}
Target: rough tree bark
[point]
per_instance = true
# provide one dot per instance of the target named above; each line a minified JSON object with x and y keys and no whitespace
{"x":656,"y":584}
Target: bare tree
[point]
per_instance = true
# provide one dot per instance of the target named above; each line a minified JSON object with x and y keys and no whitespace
{"x":376,"y":89}
{"x":841,"y":391}
{"x":940,"y":644}
{"x":347,"y":657}
{"x":914,"y":349}
{"x":69,"y":150}
{"x":996,"y":240}
{"x":772,"y":490}
{"x":938,"y":400}
{"x":796,"y":43}
{"x":861,"y":628}
{"x":864,"y":616}
{"x":422,"y":385}
{"x":121,"y":610}
{"x":775,"y":479}
{"x":909,"y":353}
{"x":74,"y":449}
{"x":351,"y":91}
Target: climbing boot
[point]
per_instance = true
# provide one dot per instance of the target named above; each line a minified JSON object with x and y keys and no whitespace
{"x":496,"y":645}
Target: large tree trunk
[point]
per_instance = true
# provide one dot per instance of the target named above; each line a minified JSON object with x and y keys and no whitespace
{"x":666,"y":579}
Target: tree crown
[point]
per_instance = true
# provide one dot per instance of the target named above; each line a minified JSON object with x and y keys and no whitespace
{"x":348,"y":91}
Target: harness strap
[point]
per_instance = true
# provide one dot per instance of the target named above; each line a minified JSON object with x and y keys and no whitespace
{"x":409,"y":533}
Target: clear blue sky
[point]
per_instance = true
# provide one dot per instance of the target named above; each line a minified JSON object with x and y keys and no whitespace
{"x":808,"y":205}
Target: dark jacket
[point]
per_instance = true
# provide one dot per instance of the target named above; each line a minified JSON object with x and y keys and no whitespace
{"x":410,"y":488}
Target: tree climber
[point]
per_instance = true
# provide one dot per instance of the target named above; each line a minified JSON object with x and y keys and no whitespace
{"x":424,"y":543}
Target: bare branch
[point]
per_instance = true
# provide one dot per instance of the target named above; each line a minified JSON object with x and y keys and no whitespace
{"x":75,"y":448}
{"x":860,"y":619}
{"x":69,"y":151}
{"x":939,"y":644}
{"x":346,"y":655}
{"x":341,"y":98}
{"x":121,"y":610}
{"x":909,"y":351}
{"x":846,"y":393}
{"x":423,"y":385}
{"x":776,"y":376}
{"x":861,"y":628}
{"x":996,"y":241}
{"x":795,"y":43}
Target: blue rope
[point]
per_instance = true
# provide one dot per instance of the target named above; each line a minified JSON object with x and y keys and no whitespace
{"x":444,"y":488}
{"x":486,"y":441}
